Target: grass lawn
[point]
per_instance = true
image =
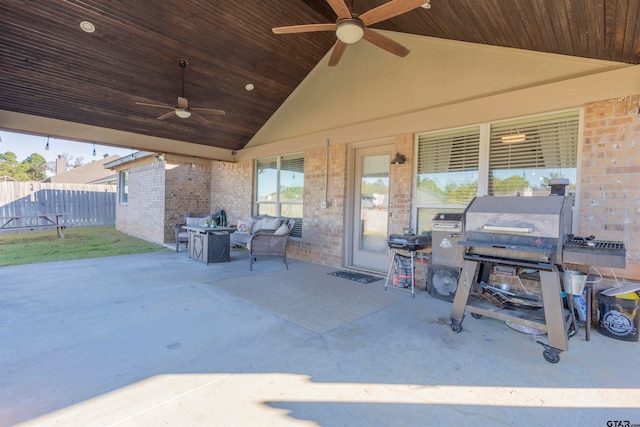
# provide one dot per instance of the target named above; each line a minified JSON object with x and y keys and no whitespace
{"x":30,"y":247}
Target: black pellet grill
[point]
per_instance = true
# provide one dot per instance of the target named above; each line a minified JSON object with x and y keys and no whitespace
{"x":530,"y":233}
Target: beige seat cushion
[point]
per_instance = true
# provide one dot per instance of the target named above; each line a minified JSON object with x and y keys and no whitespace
{"x":271,"y":223}
{"x":195,"y":221}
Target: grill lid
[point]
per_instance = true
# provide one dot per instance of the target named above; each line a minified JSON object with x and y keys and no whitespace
{"x":409,"y":242}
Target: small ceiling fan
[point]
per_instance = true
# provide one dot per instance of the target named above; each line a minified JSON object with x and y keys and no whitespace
{"x":183,"y":110}
{"x":350,"y":28}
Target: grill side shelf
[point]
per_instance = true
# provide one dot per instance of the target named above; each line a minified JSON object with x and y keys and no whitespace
{"x":608,"y":256}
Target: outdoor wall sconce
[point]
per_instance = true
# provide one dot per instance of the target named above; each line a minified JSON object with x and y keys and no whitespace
{"x":399,"y":159}
{"x":159,"y":157}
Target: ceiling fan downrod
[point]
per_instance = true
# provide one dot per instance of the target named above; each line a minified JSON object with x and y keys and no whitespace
{"x":183,"y":64}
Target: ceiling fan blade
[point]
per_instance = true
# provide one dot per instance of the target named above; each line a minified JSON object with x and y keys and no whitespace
{"x":167,"y":115}
{"x":199,"y":118}
{"x":154,"y":105}
{"x":385,"y":43}
{"x":305,"y":28}
{"x":338,"y":50}
{"x":389,"y":10}
{"x":340,"y":8}
{"x":183,"y":103}
{"x":208,"y":110}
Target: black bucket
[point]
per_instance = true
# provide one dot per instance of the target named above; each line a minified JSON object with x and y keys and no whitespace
{"x":618,"y":318}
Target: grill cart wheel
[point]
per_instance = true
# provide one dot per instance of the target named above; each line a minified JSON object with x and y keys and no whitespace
{"x":456,"y":327}
{"x":550,"y":354}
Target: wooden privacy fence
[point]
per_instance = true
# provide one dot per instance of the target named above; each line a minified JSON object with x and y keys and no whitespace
{"x":83,"y":204}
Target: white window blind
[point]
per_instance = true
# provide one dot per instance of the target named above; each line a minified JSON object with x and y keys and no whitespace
{"x":448,"y":167}
{"x":528,"y":152}
{"x":449,"y":151}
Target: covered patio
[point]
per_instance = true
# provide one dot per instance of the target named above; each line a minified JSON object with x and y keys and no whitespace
{"x":162,"y":339}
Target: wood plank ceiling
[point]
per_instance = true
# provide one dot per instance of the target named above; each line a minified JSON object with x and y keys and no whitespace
{"x":50,"y":68}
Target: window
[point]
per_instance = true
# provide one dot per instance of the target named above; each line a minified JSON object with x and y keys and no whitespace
{"x":280,"y":188}
{"x":521,"y":157}
{"x":525,"y":154}
{"x":447,"y":172}
{"x":124,"y":186}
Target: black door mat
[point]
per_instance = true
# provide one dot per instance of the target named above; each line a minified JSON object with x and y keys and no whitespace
{"x":357,"y":277}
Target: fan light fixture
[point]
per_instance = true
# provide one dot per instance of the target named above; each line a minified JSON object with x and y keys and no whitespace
{"x":350,"y":31}
{"x":511,"y":139}
{"x":46,"y":147}
{"x":182,"y":113}
{"x":87,"y":27}
{"x":399,"y":159}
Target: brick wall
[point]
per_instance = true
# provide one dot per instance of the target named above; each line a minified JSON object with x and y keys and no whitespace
{"x":402,"y":185}
{"x":611,"y":176}
{"x":231,"y":189}
{"x":323,"y":228}
{"x":143,"y":216}
{"x":188,"y":189}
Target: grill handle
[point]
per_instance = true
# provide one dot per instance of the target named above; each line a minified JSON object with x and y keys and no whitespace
{"x":507,"y":229}
{"x":444,"y":226}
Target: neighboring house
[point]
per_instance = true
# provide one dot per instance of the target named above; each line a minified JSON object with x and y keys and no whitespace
{"x":469,"y":119}
{"x":90,"y":173}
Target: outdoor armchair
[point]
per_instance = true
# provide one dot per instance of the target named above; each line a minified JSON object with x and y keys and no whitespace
{"x":270,"y":243}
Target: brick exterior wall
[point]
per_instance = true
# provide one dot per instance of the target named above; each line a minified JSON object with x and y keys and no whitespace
{"x":232,"y":189}
{"x":402,"y":185}
{"x":323,"y":228}
{"x":610,"y":187}
{"x":187,"y":189}
{"x":144,"y":214}
{"x":610,"y":190}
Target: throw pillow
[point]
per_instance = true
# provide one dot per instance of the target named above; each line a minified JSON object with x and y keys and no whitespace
{"x":271,"y":223}
{"x":257,"y":226}
{"x":282,"y":230}
{"x":244,"y":226}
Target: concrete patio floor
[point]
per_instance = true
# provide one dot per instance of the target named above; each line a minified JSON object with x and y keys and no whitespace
{"x":159,"y":339}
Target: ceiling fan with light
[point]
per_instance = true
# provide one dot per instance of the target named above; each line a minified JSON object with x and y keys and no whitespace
{"x":183,"y":110}
{"x":351,"y":28}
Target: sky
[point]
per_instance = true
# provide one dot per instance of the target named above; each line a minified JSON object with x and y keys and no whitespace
{"x":24,"y":145}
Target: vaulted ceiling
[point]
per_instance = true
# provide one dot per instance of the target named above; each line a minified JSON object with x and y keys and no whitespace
{"x":51,"y":68}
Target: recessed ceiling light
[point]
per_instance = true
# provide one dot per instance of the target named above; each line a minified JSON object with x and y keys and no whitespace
{"x":249,"y":86}
{"x":87,"y":27}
